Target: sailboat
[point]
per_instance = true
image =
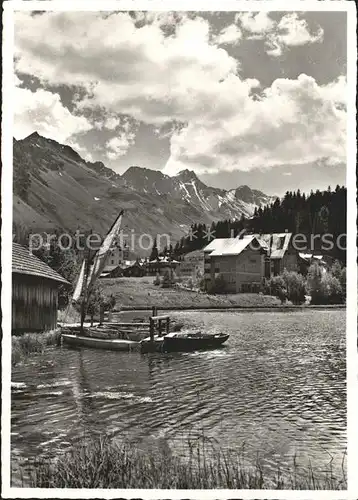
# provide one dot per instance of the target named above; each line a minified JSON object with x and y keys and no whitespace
{"x":89,"y":273}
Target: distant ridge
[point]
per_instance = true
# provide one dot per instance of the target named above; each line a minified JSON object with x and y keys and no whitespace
{"x":54,"y":187}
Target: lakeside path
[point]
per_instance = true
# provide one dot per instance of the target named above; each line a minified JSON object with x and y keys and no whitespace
{"x":141,"y":294}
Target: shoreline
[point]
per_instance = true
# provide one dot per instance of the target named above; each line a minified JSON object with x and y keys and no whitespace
{"x":103,"y":463}
{"x":240,"y":308}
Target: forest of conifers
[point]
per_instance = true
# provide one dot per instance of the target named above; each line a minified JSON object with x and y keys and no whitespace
{"x":319,"y":213}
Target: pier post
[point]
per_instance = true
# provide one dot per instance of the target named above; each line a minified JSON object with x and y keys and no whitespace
{"x":167,"y":325}
{"x":160,"y":327}
{"x":151,"y":329}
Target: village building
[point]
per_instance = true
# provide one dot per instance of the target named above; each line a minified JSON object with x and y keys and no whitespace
{"x":280,"y":253}
{"x":117,"y":256}
{"x":35,"y":288}
{"x":245,"y":262}
{"x":133,"y":269}
{"x":192,"y":265}
{"x":306,"y":259}
{"x":161,"y":266}
{"x":239,"y":261}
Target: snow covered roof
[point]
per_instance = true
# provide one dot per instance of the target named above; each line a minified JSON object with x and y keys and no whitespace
{"x":310,"y":256}
{"x":217,"y":244}
{"x":277,"y":243}
{"x":233,"y":246}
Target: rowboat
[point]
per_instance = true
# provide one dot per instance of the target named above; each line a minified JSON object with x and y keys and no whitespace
{"x":183,"y":342}
{"x":99,"y":343}
{"x":193,"y":341}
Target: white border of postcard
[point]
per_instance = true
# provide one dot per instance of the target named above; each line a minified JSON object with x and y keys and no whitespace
{"x":7,"y":137}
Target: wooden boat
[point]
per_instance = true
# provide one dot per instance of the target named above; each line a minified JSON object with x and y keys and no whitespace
{"x":183,"y":342}
{"x":193,"y":341}
{"x":99,"y":343}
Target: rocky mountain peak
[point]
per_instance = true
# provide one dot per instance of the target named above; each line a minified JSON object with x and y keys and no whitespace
{"x":34,"y":135}
{"x":187,"y":175}
{"x":248,"y":195}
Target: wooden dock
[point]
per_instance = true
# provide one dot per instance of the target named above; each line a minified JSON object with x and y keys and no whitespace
{"x":151,"y":332}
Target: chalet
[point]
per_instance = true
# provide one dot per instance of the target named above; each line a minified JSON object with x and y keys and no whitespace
{"x":280,"y":253}
{"x":35,"y":288}
{"x":240,"y":262}
{"x":161,"y":265}
{"x":244,"y":262}
{"x":135,"y":269}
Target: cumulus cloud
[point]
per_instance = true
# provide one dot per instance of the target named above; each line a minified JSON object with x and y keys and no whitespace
{"x":119,"y":145}
{"x":336,"y":91}
{"x":296,"y":121}
{"x":215,"y":119}
{"x":255,"y":22}
{"x":135,"y":71}
{"x":289,"y":32}
{"x":230,"y":35}
{"x":111,"y":122}
{"x":43,"y":111}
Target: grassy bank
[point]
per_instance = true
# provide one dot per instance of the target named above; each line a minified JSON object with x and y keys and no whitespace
{"x":103,"y":464}
{"x":30,"y":343}
{"x":141,"y":292}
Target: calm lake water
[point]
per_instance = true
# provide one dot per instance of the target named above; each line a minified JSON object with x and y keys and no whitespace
{"x":277,"y":389}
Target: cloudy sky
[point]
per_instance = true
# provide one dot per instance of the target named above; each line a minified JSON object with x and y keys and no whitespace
{"x":247,"y":97}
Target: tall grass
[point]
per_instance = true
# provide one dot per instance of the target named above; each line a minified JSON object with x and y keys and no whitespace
{"x":101,"y":463}
{"x":68,"y":315}
{"x":29,"y":343}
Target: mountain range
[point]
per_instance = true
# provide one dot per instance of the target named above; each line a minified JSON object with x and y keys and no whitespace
{"x":55,"y":188}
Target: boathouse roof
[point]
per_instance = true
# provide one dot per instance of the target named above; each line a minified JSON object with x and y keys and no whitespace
{"x":24,"y":262}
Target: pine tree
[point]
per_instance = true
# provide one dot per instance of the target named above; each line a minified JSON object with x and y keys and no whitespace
{"x":154,"y":253}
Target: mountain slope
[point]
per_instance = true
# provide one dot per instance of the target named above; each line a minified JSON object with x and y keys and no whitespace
{"x":54,"y":188}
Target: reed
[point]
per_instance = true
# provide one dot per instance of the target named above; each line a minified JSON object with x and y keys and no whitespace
{"x":100,"y":463}
{"x":30,"y":343}
{"x":68,"y":315}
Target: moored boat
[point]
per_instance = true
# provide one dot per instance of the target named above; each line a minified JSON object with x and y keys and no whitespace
{"x":99,"y":343}
{"x":193,"y":341}
{"x":183,"y":342}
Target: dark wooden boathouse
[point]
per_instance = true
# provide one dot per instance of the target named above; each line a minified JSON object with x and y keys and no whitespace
{"x":34,"y":292}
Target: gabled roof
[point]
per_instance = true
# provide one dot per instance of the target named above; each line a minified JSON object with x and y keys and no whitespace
{"x":276,"y":243}
{"x":232,"y":246}
{"x":23,"y":262}
{"x":164,"y":260}
{"x":217,"y":244}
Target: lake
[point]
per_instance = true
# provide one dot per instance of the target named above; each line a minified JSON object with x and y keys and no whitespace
{"x":276,"y":390}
